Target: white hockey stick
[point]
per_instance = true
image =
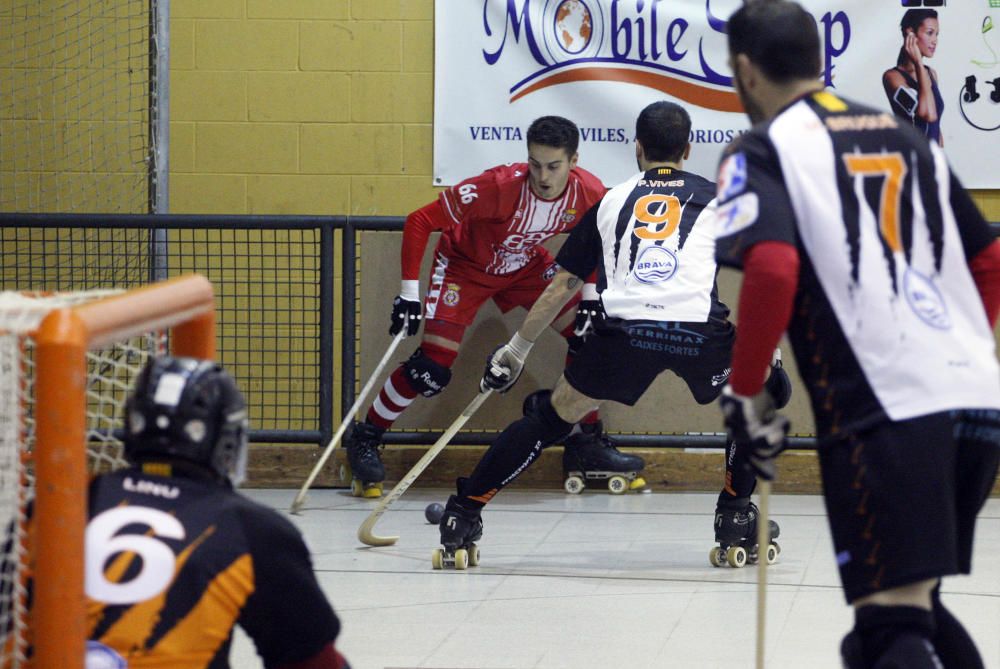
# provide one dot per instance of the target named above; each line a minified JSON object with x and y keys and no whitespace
{"x":763,"y":541}
{"x":328,"y":451}
{"x":365,"y":534}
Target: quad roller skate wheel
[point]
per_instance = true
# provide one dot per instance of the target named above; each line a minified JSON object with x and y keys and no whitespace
{"x":773,"y":550}
{"x":461,"y":559}
{"x":717,"y":557}
{"x":617,"y":485}
{"x":574,"y":485}
{"x":736,"y":556}
{"x":345,"y":473}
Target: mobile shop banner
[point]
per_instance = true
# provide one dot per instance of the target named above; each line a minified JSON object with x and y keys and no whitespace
{"x":499,"y":64}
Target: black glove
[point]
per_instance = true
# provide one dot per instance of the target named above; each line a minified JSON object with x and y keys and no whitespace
{"x":753,"y":424}
{"x":405,"y":312}
{"x":778,"y":383}
{"x":589,"y":314}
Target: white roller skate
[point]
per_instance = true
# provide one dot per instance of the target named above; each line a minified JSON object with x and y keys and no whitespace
{"x":736,"y":534}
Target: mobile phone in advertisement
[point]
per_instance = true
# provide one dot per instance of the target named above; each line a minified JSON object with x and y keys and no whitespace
{"x":906,"y":98}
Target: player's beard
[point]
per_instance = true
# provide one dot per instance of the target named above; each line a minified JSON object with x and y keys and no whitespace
{"x":752,"y":109}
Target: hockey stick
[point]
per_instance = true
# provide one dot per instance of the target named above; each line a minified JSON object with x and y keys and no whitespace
{"x":763,"y":541}
{"x":328,"y":451}
{"x":365,"y":534}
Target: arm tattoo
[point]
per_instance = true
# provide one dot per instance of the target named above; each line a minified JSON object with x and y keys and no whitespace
{"x":572,"y":282}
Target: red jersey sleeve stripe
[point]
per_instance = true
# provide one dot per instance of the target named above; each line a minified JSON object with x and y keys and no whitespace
{"x":985,"y":268}
{"x":770,"y":279}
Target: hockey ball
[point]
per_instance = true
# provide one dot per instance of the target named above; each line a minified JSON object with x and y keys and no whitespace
{"x":433,"y":513}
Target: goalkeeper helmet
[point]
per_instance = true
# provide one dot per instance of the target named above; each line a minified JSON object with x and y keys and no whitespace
{"x":188,"y":410}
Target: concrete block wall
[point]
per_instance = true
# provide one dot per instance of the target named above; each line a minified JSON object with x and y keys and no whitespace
{"x":308,"y":107}
{"x":301,"y":106}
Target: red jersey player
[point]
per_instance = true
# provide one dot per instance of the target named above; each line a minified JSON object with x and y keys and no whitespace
{"x":492,"y":229}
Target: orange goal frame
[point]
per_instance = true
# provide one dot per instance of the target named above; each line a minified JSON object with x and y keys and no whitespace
{"x":186,"y":306}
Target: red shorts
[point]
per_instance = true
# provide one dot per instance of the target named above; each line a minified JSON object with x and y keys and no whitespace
{"x":457,"y":290}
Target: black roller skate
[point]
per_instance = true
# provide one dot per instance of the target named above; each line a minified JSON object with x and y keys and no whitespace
{"x":460,"y":528}
{"x":736,"y":534}
{"x":364,"y":466}
{"x":589,"y":455}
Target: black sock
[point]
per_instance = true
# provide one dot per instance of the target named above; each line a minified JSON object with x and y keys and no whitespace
{"x":513,"y":451}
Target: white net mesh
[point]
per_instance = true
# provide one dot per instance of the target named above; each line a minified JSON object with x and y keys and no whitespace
{"x":75,"y":92}
{"x":110,"y":373}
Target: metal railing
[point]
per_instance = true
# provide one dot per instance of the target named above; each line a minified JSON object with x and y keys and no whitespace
{"x":274,"y":281}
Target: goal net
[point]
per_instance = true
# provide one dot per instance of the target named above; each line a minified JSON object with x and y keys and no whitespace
{"x":124,"y":330}
{"x":80,"y":106}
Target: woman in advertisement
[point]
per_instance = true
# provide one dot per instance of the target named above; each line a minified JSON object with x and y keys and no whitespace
{"x":911,"y":86}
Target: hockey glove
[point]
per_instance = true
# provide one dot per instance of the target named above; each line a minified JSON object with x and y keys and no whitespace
{"x":406,"y":309}
{"x":753,"y":424}
{"x":778,"y":383}
{"x":505,"y":365}
{"x":590,"y":311}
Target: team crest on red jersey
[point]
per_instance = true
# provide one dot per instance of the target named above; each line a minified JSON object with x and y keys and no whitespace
{"x":452,"y":296}
{"x":569,"y":216}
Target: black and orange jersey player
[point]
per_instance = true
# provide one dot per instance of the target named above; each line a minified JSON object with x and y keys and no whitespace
{"x":176,"y":558}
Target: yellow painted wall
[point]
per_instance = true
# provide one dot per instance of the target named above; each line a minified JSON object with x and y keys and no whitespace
{"x":301,"y":106}
{"x":308,"y":107}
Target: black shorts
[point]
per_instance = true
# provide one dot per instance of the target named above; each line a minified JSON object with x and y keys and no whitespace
{"x":902,"y":497}
{"x":619,"y":362}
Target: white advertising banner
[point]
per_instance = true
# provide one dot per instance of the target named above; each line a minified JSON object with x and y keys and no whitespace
{"x":499,"y":64}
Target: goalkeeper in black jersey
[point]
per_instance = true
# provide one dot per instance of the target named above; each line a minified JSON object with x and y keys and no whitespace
{"x":176,"y":558}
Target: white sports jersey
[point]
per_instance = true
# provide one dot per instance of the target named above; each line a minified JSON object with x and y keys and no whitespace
{"x":887,"y":319}
{"x":652,"y":241}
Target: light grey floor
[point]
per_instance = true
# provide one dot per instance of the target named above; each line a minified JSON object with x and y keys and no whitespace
{"x":594,"y":580}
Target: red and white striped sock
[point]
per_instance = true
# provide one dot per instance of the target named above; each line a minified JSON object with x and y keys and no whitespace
{"x":392,"y":400}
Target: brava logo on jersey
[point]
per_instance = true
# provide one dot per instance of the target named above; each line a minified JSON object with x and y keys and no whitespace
{"x":628,"y":41}
{"x":655,"y":265}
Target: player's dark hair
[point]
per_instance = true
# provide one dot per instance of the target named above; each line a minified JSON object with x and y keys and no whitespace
{"x":663,"y":129}
{"x":779,"y":37}
{"x":554,"y":131}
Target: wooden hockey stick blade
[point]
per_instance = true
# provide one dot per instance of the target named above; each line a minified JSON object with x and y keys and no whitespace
{"x":763,"y":541}
{"x":365,"y":532}
{"x":348,"y":417}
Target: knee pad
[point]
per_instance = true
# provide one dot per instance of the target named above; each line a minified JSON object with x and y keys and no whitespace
{"x":424,"y":375}
{"x":552,"y":427}
{"x":892,"y":637}
{"x":909,"y":651}
{"x":532,"y":401}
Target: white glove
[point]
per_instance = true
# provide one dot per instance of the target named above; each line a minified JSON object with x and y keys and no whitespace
{"x":505,"y":364}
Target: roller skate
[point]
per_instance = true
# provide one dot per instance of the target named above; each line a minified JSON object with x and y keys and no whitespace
{"x":736,"y":534}
{"x":589,"y":455}
{"x":364,"y":466}
{"x":460,"y":529}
